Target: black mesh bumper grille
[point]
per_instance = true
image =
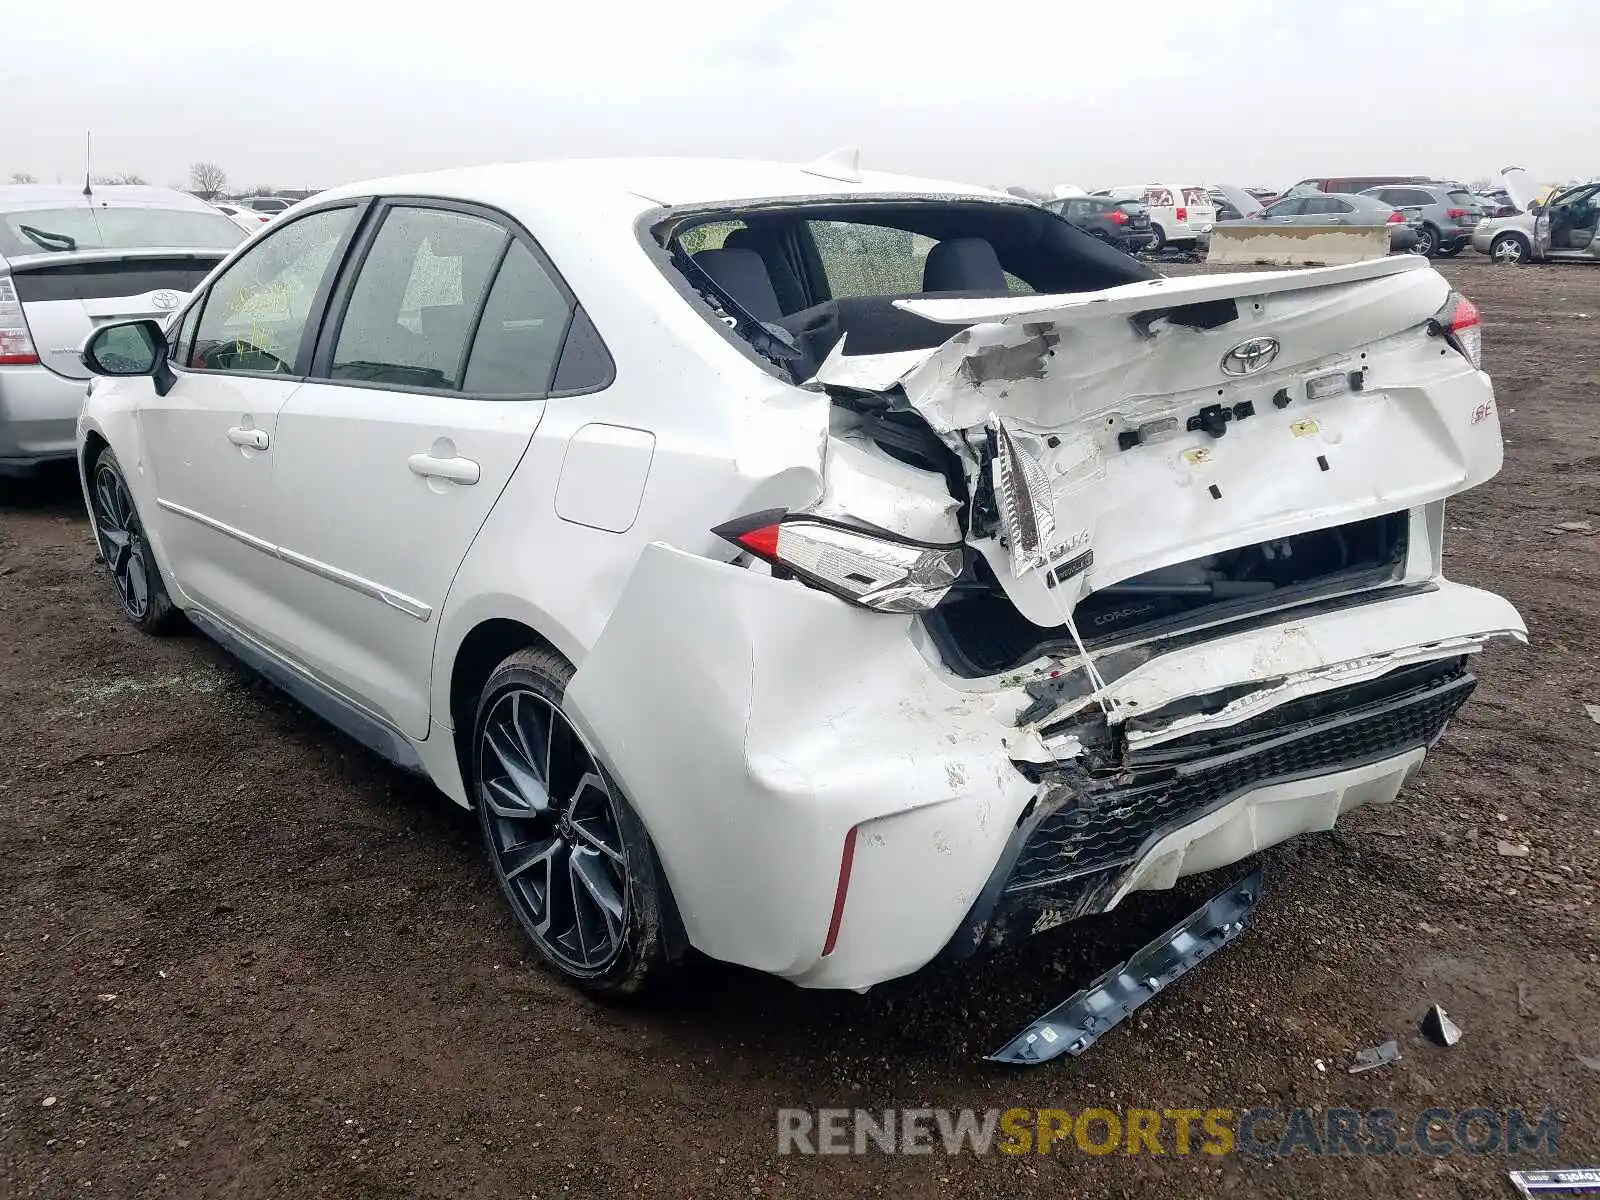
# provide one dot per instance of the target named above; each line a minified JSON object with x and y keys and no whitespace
{"x":1103,"y":828}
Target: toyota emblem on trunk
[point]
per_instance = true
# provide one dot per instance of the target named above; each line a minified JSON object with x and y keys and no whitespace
{"x":166,"y":301}
{"x":1249,"y":357}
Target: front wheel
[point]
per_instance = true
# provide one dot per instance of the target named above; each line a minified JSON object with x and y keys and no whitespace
{"x":1509,"y":248}
{"x":571,"y":855}
{"x":140,"y":590}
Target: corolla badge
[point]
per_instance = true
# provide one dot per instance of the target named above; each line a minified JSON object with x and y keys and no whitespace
{"x":1249,"y":357}
{"x":166,"y":301}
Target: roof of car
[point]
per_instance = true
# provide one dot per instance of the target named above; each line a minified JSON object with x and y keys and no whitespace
{"x":16,"y":197}
{"x":663,"y":181}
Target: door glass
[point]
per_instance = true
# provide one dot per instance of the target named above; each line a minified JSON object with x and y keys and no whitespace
{"x":413,"y":304}
{"x":520,"y":335}
{"x":255,"y":313}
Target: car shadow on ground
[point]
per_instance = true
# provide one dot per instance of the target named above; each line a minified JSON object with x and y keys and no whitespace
{"x":53,"y":486}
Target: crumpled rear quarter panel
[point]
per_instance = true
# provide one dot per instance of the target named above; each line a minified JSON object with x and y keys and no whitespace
{"x":752,"y":723}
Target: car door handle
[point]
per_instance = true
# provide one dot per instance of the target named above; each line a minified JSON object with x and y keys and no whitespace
{"x":457,"y":470}
{"x":255,"y":439}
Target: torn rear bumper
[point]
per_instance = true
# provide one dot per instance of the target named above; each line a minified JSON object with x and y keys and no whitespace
{"x":1207,"y":801}
{"x":759,"y":726}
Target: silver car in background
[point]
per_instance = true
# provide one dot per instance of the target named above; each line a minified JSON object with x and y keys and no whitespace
{"x":70,"y":262}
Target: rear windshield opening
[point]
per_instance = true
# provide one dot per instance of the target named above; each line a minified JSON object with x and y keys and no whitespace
{"x":979,"y":632}
{"x":793,"y":280}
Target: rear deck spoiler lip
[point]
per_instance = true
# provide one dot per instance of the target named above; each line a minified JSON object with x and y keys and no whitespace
{"x":22,"y":264}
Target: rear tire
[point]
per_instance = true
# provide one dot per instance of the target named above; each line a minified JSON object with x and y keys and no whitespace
{"x":126,"y":550}
{"x":1427,"y":241}
{"x":1452,"y":251}
{"x":570,"y":854}
{"x":1159,"y":239}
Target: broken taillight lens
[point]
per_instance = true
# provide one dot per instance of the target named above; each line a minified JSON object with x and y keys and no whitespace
{"x":1460,"y":324}
{"x":872,"y":568}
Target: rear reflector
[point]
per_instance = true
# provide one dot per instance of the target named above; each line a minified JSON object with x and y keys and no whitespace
{"x":16,"y":344}
{"x":846,"y":861}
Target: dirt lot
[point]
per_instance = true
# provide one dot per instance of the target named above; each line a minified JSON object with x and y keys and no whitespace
{"x":241,"y":957}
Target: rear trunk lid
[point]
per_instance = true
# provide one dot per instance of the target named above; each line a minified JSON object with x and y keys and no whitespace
{"x":66,"y":296}
{"x":1153,"y":423}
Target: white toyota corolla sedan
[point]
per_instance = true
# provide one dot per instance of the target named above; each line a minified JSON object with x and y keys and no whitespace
{"x":825,"y":570}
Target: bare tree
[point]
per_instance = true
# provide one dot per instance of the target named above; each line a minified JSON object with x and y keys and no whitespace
{"x":22,"y":177}
{"x":125,"y":177}
{"x":207,"y":180}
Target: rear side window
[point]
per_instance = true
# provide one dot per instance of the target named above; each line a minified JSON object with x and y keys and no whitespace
{"x":410,"y":315}
{"x":255,"y":314}
{"x":1160,"y":197}
{"x":1197,"y":196}
{"x":1464,"y":199}
{"x":1286,"y":208}
{"x":520,"y":335}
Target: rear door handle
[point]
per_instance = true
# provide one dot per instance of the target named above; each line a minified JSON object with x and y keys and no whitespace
{"x":457,"y":470}
{"x":255,"y":439}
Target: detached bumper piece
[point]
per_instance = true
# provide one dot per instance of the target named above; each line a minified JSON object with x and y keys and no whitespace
{"x":1088,"y":833}
{"x":1076,"y":1024}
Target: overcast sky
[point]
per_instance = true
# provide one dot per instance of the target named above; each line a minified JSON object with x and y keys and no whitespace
{"x":310,"y":93}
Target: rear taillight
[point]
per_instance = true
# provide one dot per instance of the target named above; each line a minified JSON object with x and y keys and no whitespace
{"x":1460,"y":324}
{"x":1397,"y":217}
{"x":1118,"y":217}
{"x":1183,"y":214}
{"x":16,"y":344}
{"x":1455,"y":214}
{"x":869,"y":567}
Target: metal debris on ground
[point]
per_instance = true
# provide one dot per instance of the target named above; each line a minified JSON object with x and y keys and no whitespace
{"x":1510,"y":849}
{"x":1376,"y":1056}
{"x":1438,"y":1028}
{"x":1078,"y":1022}
{"x":1563,"y":1181}
{"x":1594,"y":712}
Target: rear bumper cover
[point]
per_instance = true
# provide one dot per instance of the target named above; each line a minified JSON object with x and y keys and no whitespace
{"x":1211,"y":800}
{"x":38,"y":416}
{"x":754,"y":723}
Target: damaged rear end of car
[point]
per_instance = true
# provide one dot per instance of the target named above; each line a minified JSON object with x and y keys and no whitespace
{"x":1107,"y":579}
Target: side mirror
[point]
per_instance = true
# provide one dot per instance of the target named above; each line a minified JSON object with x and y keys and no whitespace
{"x":1535,"y":208}
{"x":127,"y":349}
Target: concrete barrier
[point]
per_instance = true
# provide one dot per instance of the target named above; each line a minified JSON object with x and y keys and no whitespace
{"x":1296,"y":245}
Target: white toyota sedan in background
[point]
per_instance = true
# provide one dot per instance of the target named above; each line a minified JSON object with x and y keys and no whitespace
{"x":821,"y":569}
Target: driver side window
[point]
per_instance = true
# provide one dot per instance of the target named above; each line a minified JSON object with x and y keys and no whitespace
{"x":255,"y":314}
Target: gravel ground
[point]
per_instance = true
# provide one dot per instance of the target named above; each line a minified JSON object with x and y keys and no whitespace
{"x":241,"y":957}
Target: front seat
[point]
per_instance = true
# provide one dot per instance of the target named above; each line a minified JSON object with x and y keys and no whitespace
{"x":743,"y":275}
{"x":963,"y":265}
